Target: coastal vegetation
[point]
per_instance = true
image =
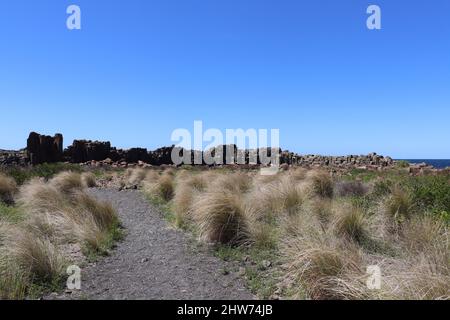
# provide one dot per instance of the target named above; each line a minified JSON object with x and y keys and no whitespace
{"x":299,"y":234}
{"x":308,"y":234}
{"x":47,"y":225}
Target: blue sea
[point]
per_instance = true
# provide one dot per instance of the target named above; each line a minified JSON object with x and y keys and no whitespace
{"x":437,"y":163}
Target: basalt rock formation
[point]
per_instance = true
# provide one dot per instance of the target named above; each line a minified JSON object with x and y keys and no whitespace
{"x":84,"y":150}
{"x":41,"y":148}
{"x":13,"y":158}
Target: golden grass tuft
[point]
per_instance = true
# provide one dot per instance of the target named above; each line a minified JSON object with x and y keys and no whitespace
{"x":399,"y":204}
{"x":187,"y":189}
{"x":73,"y":216}
{"x":13,"y":280}
{"x":350,"y":223}
{"x":163,"y":187}
{"x":37,"y":255}
{"x":151,"y":175}
{"x":324,"y":271}
{"x":89,"y":180}
{"x":38,"y":196}
{"x":102,"y":213}
{"x":280,"y":196}
{"x":237,"y":182}
{"x":8,"y":188}
{"x":321,"y":183}
{"x":221,"y":217}
{"x":136,"y":176}
{"x":182,"y":205}
{"x":424,"y":233}
{"x":55,"y":214}
{"x":67,"y":182}
{"x":297,"y":174}
{"x":322,"y":209}
{"x":418,"y":277}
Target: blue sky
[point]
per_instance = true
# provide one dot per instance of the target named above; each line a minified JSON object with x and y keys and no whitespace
{"x":140,"y":69}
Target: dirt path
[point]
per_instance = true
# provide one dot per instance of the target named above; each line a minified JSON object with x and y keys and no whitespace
{"x":155,"y":261}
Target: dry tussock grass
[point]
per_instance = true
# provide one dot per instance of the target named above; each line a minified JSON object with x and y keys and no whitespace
{"x":399,"y":204}
{"x":38,"y":256}
{"x":417,"y":277}
{"x":89,"y":180}
{"x":38,"y":196}
{"x":283,"y":195}
{"x":67,"y":182}
{"x":221,"y":217}
{"x":188,"y":187}
{"x":238,"y":182}
{"x":8,"y":188}
{"x":325,"y":240}
{"x":13,"y":280}
{"x":136,"y":176}
{"x":350,"y":222}
{"x":324,"y":268}
{"x":321,"y":183}
{"x":163,"y":187}
{"x":297,"y":174}
{"x":55,"y":213}
{"x":323,"y":209}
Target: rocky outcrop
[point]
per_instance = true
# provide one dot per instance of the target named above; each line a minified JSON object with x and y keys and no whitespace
{"x":86,"y":150}
{"x":42,"y":149}
{"x":11,"y":158}
{"x":354,"y":161}
{"x":161,"y":156}
{"x":134,"y":155}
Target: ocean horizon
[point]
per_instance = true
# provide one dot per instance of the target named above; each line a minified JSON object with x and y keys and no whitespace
{"x":437,"y":163}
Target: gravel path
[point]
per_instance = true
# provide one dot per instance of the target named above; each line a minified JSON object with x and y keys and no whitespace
{"x":155,"y":261}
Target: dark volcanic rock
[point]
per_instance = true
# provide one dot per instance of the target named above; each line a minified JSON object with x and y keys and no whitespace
{"x":135,"y":155}
{"x":8,"y":158}
{"x":83,"y":150}
{"x":41,"y":148}
{"x":161,"y":156}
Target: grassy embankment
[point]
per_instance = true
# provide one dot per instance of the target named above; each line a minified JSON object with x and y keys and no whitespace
{"x":304,"y":234}
{"x":48,"y":222}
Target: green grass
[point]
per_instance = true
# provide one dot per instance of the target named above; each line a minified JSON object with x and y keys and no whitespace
{"x":261,"y":280}
{"x":10,"y":213}
{"x":115,"y":234}
{"x":402,"y":164}
{"x":46,"y":170}
{"x":262,"y":284}
{"x":430,"y":194}
{"x":38,"y":289}
{"x":164,"y":206}
{"x":229,"y":253}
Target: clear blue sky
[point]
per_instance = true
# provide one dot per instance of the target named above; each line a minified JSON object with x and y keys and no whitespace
{"x":140,"y":69}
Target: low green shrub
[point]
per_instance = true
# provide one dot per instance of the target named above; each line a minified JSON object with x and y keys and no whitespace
{"x":430,"y":193}
{"x":45,"y":170}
